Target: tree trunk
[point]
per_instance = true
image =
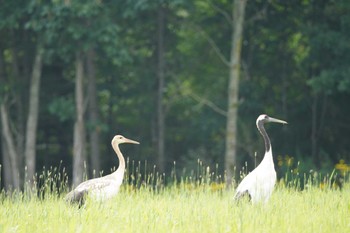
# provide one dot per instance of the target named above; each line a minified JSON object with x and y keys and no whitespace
{"x":79,"y":131}
{"x":94,"y":132}
{"x":160,"y":76}
{"x":233,"y":89}
{"x":6,"y":166}
{"x":10,"y":147}
{"x":318,"y":114}
{"x":314,"y":128}
{"x":18,"y":121}
{"x":32,"y":120}
{"x":9,"y":154}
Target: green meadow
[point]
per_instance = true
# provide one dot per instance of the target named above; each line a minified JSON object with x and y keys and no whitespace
{"x":182,"y":207}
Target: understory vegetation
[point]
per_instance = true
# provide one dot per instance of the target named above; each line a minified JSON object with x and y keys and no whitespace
{"x":197,"y":202}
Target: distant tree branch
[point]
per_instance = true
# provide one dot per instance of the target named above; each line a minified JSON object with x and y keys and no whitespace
{"x":208,"y":103}
{"x":225,"y":14}
{"x":188,"y":92}
{"x":261,"y":14}
{"x":213,"y":45}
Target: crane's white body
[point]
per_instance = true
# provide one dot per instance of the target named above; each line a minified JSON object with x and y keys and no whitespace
{"x":105,"y":187}
{"x":259,"y":183}
{"x":102,"y":188}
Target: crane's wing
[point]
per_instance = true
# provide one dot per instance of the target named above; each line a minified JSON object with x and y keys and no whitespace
{"x":243,"y":189}
{"x":78,"y":195}
{"x":94,"y":184}
{"x":241,"y":195}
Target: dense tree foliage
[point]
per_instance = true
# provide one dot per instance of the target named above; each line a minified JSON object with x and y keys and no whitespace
{"x":156,"y":71}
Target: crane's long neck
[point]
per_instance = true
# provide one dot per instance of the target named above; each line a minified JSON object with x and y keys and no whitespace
{"x":121,"y":167}
{"x":268,"y":149}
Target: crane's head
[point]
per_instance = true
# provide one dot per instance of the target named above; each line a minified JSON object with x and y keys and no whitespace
{"x":118,"y":139}
{"x":265,"y":119}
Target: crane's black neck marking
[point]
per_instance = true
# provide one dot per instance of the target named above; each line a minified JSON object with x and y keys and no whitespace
{"x":265,"y":136}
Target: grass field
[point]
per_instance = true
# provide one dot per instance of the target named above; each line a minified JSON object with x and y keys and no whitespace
{"x":189,"y":206}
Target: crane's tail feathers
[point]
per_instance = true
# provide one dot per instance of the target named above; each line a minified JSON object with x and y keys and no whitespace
{"x":76,"y":197}
{"x":242,"y":195}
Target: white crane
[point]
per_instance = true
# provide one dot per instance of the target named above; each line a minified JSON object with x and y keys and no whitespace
{"x":105,"y":187}
{"x":259,"y":183}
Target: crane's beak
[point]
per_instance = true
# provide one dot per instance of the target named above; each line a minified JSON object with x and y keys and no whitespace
{"x":276,"y":120}
{"x":127,"y":140}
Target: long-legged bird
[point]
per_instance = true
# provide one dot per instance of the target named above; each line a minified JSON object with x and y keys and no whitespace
{"x":259,"y":183}
{"x":105,"y":187}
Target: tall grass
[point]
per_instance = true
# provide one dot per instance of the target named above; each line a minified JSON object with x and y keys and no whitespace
{"x":195,"y":202}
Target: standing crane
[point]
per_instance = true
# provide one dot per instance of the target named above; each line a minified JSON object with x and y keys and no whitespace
{"x":105,"y":187}
{"x":259,"y":183}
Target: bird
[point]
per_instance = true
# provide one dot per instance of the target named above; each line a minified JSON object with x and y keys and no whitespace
{"x":105,"y":187}
{"x":259,"y":183}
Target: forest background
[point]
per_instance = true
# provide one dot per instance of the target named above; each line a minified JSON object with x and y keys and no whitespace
{"x":187,"y":79}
